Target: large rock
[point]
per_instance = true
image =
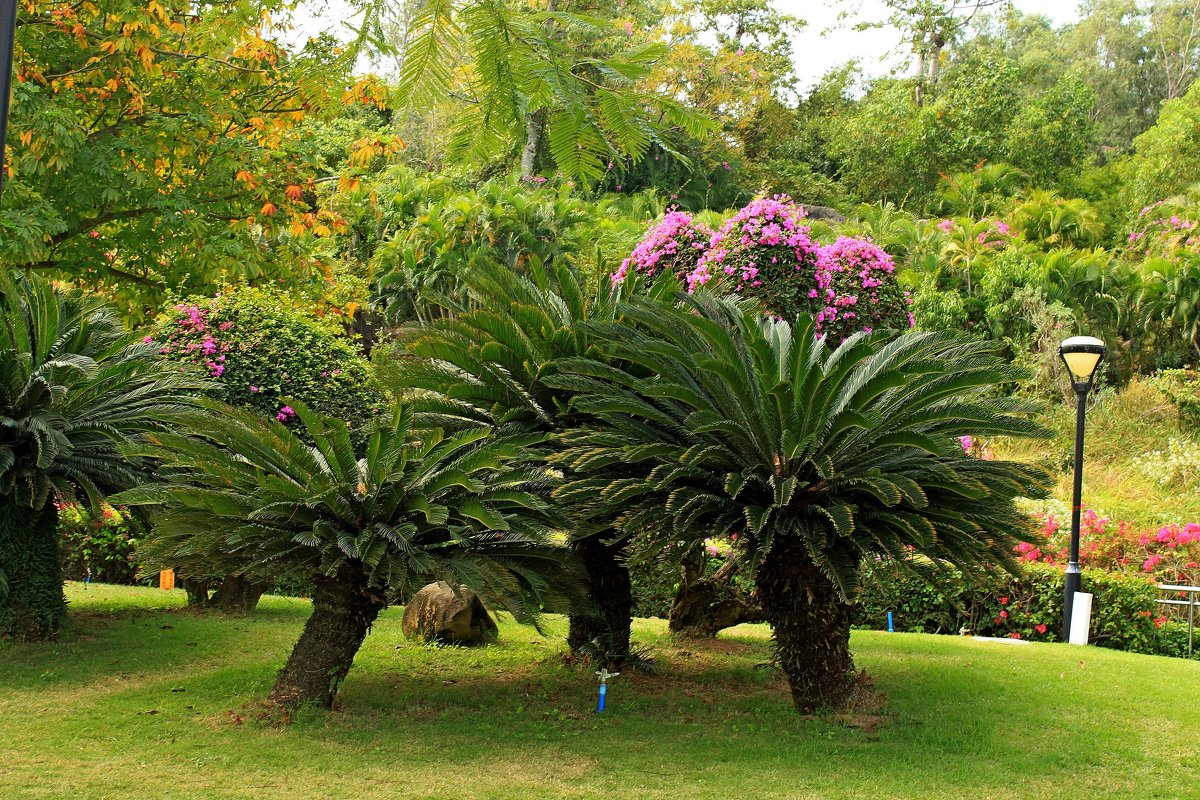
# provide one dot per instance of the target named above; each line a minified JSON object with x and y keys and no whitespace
{"x":824,"y":212}
{"x":439,"y":613}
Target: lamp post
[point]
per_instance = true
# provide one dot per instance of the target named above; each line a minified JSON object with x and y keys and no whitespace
{"x":8,"y":30}
{"x":1082,"y":356}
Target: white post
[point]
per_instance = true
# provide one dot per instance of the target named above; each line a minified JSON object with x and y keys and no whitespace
{"x":1081,"y":618}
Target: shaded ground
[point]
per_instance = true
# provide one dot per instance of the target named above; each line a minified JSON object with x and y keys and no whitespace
{"x":141,"y":699}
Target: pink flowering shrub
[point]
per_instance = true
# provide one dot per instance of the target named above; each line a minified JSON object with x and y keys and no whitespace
{"x":674,"y":245}
{"x":860,"y":292}
{"x":262,"y":353}
{"x":1165,"y":231}
{"x":1170,"y":554}
{"x":764,"y":251}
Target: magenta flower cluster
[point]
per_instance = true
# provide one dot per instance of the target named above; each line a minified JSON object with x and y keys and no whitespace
{"x":764,"y":237}
{"x":207,"y":349}
{"x":674,"y":245}
{"x":765,"y":251}
{"x":857,"y":279}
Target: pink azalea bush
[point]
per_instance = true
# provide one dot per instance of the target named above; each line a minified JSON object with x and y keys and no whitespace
{"x":765,"y":251}
{"x":261,"y":353}
{"x":673,"y":245}
{"x":860,"y":290}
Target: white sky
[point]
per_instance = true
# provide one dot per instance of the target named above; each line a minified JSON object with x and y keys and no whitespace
{"x":824,"y":43}
{"x":827,"y":42}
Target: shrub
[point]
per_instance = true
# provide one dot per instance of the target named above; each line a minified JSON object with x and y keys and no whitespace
{"x":98,"y":545}
{"x":263,"y":352}
{"x":765,"y":251}
{"x":674,"y":245}
{"x":1125,"y":615}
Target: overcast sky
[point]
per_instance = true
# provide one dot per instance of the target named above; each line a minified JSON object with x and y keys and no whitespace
{"x":825,"y":42}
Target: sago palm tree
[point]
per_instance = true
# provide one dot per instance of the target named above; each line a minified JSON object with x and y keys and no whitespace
{"x":247,"y":495}
{"x":816,"y":456}
{"x":495,"y":364}
{"x":74,"y":387}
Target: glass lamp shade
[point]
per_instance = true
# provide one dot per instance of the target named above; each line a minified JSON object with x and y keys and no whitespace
{"x":1082,"y":354}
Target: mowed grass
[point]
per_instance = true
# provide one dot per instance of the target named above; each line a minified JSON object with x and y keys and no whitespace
{"x":141,"y":698}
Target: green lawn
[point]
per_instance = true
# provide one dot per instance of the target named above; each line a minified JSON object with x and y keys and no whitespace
{"x":140,"y":699}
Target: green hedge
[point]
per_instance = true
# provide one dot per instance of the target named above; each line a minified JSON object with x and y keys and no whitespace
{"x":1125,"y":615}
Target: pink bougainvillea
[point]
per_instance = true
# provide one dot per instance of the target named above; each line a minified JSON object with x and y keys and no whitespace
{"x":674,"y":245}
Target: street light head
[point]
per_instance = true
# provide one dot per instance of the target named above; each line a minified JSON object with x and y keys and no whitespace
{"x":1082,"y":355}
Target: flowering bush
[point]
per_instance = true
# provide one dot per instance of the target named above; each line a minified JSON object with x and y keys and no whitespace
{"x":1166,"y":231}
{"x":764,"y":251}
{"x":860,"y":289}
{"x":1170,"y":554}
{"x":1179,"y":464}
{"x":674,"y":245}
{"x":1029,"y":606}
{"x":99,"y":546}
{"x":262,"y":353}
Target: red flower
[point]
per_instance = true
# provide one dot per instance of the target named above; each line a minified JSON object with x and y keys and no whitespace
{"x":1003,"y":615}
{"x":1003,"y":601}
{"x":1040,"y":628}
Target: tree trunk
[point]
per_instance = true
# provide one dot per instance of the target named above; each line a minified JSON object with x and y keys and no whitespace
{"x":237,"y":595}
{"x":811,"y":624}
{"x":344,"y":608}
{"x":703,"y":607}
{"x":197,"y":591}
{"x":533,"y":139}
{"x":32,"y":605}
{"x":609,"y":587}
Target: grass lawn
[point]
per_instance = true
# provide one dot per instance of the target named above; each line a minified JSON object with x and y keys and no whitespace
{"x":141,"y":699}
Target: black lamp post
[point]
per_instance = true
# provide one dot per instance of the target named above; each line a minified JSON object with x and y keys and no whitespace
{"x":8,"y":30}
{"x":1082,"y":355}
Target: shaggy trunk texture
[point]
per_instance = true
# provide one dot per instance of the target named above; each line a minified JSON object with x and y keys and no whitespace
{"x":705,"y":606}
{"x":344,"y":608}
{"x":237,"y":595}
{"x":611,"y":591}
{"x":811,"y":626}
{"x":32,"y":605}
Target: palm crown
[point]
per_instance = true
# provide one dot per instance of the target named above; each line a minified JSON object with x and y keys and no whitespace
{"x":74,"y":387}
{"x":248,"y":495}
{"x":816,"y":456}
{"x":496,"y":364}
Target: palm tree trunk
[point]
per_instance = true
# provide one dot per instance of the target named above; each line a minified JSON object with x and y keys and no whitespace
{"x":811,"y":624}
{"x":32,"y":605}
{"x":612,"y":592}
{"x":704,"y":607}
{"x":237,"y":595}
{"x":344,"y":608}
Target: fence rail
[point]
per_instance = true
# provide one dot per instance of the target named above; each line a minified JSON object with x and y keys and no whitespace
{"x":1191,"y":592}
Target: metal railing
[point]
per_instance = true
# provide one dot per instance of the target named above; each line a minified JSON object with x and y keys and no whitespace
{"x":1191,"y":592}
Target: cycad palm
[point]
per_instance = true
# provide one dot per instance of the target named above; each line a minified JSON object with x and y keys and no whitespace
{"x":496,"y":365}
{"x":74,"y":386}
{"x":816,"y":456}
{"x":247,"y":495}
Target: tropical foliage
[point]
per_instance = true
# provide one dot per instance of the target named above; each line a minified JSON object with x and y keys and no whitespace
{"x":240,"y":494}
{"x":75,"y":389}
{"x":815,"y":455}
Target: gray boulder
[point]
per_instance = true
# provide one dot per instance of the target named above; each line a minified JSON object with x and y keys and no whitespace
{"x":823,"y":212}
{"x":439,"y":613}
